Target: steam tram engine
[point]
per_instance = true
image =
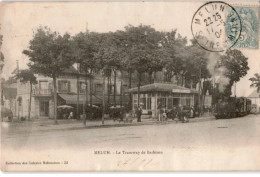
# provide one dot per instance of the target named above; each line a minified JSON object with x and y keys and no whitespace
{"x":232,"y":107}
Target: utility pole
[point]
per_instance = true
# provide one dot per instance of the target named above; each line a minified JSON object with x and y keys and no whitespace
{"x":235,"y":89}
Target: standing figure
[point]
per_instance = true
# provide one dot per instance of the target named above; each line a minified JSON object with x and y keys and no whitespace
{"x":139,"y":113}
{"x":70,"y":115}
{"x":180,"y":112}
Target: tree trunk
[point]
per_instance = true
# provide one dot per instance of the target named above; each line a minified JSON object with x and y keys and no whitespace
{"x":130,"y":86}
{"x":114,"y":88}
{"x":108,"y":90}
{"x":138,"y":95}
{"x":86,"y":93}
{"x":86,"y":102}
{"x":103,"y":100}
{"x":90,"y":91}
{"x":154,"y":76}
{"x":121,"y":94}
{"x":30,"y":101}
{"x":200,"y":91}
{"x":77,"y":97}
{"x":138,"y":91}
{"x":55,"y":100}
{"x":150,"y":77}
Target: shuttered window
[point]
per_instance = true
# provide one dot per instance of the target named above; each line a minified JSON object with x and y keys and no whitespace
{"x":64,"y":86}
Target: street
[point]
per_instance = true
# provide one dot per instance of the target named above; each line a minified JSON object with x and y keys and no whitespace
{"x":201,"y":144}
{"x":243,"y":131}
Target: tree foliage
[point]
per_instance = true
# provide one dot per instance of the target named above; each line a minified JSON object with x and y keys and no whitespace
{"x":255,"y":81}
{"x":2,"y":58}
{"x":49,"y":52}
{"x":236,"y":65}
{"x":26,"y":76}
{"x":85,"y":48}
{"x":144,"y":46}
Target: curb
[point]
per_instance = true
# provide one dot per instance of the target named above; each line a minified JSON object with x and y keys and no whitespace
{"x":119,"y":125}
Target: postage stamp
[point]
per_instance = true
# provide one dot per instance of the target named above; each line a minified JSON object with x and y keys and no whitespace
{"x":216,"y":26}
{"x":250,"y":27}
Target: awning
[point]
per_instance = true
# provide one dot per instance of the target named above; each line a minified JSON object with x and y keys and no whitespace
{"x":72,"y":99}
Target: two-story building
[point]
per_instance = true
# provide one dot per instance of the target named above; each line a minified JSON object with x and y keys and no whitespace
{"x":42,"y":105}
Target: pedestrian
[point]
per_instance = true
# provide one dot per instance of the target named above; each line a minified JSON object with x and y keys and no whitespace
{"x":139,"y":113}
{"x":70,"y":115}
{"x":180,"y":112}
{"x":164,"y":115}
{"x":192,"y":113}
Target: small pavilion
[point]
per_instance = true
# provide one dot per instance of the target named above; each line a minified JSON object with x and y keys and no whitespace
{"x":157,"y":96}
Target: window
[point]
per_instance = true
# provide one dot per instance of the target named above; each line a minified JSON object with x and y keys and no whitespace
{"x":170,"y":103}
{"x":161,"y":103}
{"x":183,"y":101}
{"x":112,"y":89}
{"x":149,"y":103}
{"x":188,"y":102}
{"x":125,"y":87}
{"x":64,"y":86}
{"x":135,"y":100}
{"x":82,"y":87}
{"x":175,"y":102}
{"x":143,"y":103}
{"x":99,"y":88}
{"x":43,"y":85}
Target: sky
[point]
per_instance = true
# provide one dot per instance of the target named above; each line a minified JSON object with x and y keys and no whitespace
{"x":19,"y":20}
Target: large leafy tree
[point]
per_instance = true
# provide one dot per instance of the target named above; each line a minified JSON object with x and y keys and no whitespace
{"x":26,"y":76}
{"x":196,"y":69}
{"x":50,"y":54}
{"x":255,"y":81}
{"x":143,"y":43}
{"x":174,"y":54}
{"x":110,"y":55}
{"x":236,"y":65}
{"x":86,"y":46}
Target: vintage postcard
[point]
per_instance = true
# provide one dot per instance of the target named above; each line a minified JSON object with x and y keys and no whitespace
{"x":130,"y":86}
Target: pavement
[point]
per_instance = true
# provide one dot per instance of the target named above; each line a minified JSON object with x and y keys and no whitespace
{"x":44,"y":124}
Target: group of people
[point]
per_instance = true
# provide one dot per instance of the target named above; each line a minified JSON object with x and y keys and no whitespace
{"x":180,"y":113}
{"x":65,"y":114}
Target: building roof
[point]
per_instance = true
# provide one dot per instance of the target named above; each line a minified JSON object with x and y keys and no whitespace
{"x":71,"y":70}
{"x":10,"y":93}
{"x":162,"y":87}
{"x":254,"y":94}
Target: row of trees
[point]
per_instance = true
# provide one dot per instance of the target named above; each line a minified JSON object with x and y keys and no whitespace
{"x":140,"y":49}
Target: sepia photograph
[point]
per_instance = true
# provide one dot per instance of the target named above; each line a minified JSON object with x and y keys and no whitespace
{"x":130,"y":86}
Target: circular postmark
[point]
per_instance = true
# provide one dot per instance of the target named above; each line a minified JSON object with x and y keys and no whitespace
{"x":216,"y":26}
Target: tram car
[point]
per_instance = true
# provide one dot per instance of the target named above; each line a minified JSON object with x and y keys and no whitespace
{"x":232,"y":107}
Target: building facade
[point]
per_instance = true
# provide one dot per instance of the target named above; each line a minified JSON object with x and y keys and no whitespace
{"x":255,"y":100}
{"x":42,"y":104}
